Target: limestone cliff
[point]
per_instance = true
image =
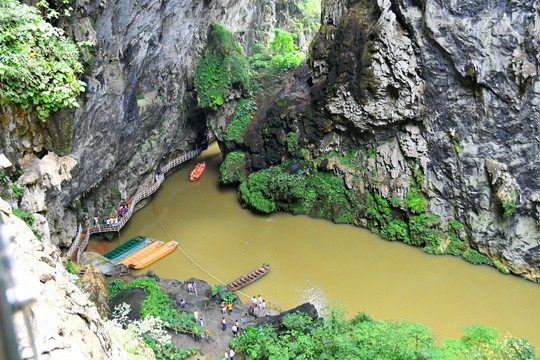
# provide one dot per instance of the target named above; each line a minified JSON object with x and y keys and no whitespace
{"x":63,"y":322}
{"x":138,"y":109}
{"x":433,"y":95}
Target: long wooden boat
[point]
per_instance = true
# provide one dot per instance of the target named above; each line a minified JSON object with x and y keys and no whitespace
{"x":197,"y":171}
{"x":124,"y":247}
{"x":248,"y":278}
{"x":142,"y":253}
{"x":155,"y":256}
{"x":133,"y":250}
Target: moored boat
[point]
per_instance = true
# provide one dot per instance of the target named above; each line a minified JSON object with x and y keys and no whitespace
{"x":142,"y":253}
{"x":124,"y":247}
{"x":197,"y":171}
{"x":133,"y":250}
{"x":155,"y":255}
{"x":248,"y":278}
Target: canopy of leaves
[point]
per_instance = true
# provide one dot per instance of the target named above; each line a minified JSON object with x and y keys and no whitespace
{"x":38,"y":64}
{"x":335,"y":337}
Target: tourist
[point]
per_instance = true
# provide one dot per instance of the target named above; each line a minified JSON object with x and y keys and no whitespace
{"x":234,"y":330}
{"x":95,"y":221}
{"x":259,"y":301}
{"x":226,"y":354}
{"x":202,"y":324}
{"x":263,"y":306}
{"x":196,"y":315}
{"x":223,"y":324}
{"x":237,"y":324}
{"x":254,"y":301}
{"x":229,"y":307}
{"x":182,"y":303}
{"x":231,"y":354}
{"x":195,"y":288}
{"x":223,"y":308}
{"x":190,"y":288}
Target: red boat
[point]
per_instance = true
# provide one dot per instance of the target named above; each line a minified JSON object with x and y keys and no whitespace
{"x":197,"y":171}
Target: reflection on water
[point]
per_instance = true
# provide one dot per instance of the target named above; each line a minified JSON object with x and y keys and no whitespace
{"x":315,"y":260}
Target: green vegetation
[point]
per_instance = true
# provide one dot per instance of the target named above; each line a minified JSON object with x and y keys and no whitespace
{"x":291,"y":139}
{"x":29,"y":219}
{"x":335,"y":337}
{"x":232,"y":169}
{"x":38,"y":64}
{"x":302,"y":190}
{"x":159,"y":311}
{"x":474,"y":257}
{"x":508,"y":207}
{"x":221,"y":67}
{"x":310,"y":16}
{"x":17,"y":191}
{"x":150,"y":330}
{"x":456,"y":246}
{"x":282,"y":55}
{"x":156,"y":303}
{"x":244,"y":112}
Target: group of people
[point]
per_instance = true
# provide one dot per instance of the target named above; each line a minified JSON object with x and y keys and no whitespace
{"x":112,"y":219}
{"x":192,"y":288}
{"x":258,"y":302}
{"x":229,"y":354}
{"x":235,"y":328}
{"x":226,"y":307}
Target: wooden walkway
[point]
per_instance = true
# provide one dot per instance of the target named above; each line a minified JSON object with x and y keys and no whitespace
{"x":83,"y":236}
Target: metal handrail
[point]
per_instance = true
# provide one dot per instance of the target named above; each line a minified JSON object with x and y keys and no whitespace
{"x":101,"y":228}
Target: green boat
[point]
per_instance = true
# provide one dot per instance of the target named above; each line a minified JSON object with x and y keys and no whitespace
{"x":132,"y":251}
{"x":124,"y":247}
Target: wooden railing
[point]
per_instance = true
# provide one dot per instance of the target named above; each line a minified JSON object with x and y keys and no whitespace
{"x":79,"y":246}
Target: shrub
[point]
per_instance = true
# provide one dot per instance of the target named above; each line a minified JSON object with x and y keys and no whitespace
{"x":38,"y":64}
{"x":232,"y":169}
{"x":244,"y":111}
{"x":474,"y":257}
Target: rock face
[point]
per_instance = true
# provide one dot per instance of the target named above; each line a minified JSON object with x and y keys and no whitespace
{"x":64,"y":323}
{"x":138,"y":110}
{"x":450,"y":90}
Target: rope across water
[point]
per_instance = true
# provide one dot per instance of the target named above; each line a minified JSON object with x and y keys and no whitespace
{"x":275,"y":307}
{"x":189,"y":257}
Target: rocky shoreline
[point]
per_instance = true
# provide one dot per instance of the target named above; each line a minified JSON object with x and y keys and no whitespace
{"x":216,"y":342}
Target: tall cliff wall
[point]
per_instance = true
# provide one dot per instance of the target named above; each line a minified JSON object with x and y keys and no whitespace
{"x":138,"y":108}
{"x":449,"y":90}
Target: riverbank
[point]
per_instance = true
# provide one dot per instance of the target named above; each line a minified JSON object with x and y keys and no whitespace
{"x":310,"y":258}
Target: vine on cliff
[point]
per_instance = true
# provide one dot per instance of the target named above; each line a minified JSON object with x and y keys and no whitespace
{"x":38,"y":64}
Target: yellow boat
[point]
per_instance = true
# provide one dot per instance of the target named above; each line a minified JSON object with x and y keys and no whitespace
{"x":155,"y":255}
{"x":141,"y":253}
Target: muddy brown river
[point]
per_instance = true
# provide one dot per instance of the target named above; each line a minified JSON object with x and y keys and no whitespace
{"x":318,"y":261}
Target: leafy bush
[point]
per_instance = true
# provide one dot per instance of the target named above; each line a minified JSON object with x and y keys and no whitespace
{"x":221,"y":67}
{"x":38,"y":64}
{"x":509,"y":207}
{"x":29,"y":219}
{"x":335,"y":337}
{"x":17,"y":191}
{"x":157,"y":303}
{"x":232,"y":169}
{"x":244,"y":111}
{"x":474,"y":257}
{"x":415,"y":201}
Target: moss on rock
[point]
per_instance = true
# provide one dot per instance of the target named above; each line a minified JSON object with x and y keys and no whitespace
{"x":221,"y":67}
